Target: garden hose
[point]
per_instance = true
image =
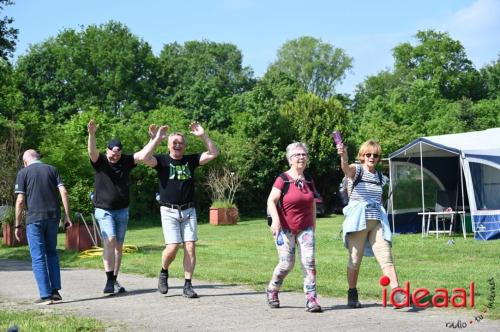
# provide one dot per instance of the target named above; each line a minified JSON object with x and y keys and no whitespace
{"x":97,"y":251}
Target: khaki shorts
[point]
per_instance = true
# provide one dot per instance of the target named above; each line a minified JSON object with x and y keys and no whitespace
{"x":356,"y":242}
{"x":179,"y":228}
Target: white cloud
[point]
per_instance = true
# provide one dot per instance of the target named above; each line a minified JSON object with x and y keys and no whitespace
{"x":477,"y":27}
{"x":481,"y":15}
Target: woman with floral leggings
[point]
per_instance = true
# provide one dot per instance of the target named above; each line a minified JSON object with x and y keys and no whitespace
{"x":293,"y":222}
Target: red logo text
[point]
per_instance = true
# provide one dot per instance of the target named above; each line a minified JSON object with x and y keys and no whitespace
{"x":440,"y":297}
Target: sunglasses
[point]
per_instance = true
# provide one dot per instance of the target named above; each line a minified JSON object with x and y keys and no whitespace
{"x":299,"y":155}
{"x":369,"y":155}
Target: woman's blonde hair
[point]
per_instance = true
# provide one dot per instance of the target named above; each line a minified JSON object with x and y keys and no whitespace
{"x":369,"y":146}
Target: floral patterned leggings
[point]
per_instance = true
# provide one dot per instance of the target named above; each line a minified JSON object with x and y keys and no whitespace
{"x":286,"y":242}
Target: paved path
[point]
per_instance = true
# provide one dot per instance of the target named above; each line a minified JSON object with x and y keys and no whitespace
{"x":219,"y":308}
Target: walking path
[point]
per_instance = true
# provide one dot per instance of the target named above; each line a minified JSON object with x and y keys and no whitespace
{"x":219,"y":308}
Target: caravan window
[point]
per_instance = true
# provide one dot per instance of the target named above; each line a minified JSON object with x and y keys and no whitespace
{"x":407,"y":186}
{"x":486,"y":182}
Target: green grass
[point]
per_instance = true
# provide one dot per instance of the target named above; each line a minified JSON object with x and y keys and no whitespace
{"x":245,"y":254}
{"x":31,"y":320}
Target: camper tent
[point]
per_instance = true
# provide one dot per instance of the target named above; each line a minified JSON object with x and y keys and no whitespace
{"x":463,"y":170}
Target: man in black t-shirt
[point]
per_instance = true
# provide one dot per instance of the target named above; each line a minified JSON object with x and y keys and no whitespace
{"x":38,"y":186}
{"x":178,"y":215}
{"x":111,"y":197}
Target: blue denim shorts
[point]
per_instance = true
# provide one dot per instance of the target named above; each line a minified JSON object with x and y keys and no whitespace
{"x":113,"y":223}
{"x":179,"y":228}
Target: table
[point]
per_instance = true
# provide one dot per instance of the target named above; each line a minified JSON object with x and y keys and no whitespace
{"x":436,"y":215}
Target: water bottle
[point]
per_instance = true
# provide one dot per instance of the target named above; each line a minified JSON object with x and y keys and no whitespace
{"x":279,"y":239}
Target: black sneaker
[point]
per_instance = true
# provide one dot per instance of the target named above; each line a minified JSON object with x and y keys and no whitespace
{"x":163,"y":283}
{"x":189,"y":292}
{"x":56,"y":297}
{"x":44,"y":301}
{"x":352,"y":298}
{"x":110,"y":287}
{"x":119,"y":288}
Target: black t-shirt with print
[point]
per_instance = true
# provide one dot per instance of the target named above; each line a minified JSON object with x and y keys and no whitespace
{"x":40,"y":184}
{"x":111,"y":182}
{"x":176,"y":178}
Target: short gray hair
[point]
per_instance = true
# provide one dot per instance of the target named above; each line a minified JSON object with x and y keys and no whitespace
{"x":291,"y":147}
{"x":177,"y":133}
{"x":30,"y":155}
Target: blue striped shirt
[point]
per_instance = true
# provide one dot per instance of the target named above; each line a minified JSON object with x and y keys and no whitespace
{"x":367,"y":191}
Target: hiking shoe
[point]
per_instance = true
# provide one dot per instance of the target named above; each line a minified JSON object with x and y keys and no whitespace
{"x":110,"y":287}
{"x":44,"y":301}
{"x":352,"y":298}
{"x":163,"y":283}
{"x":272,"y":299}
{"x":312,"y":305}
{"x":56,"y":297}
{"x":189,"y":292}
{"x":118,"y":288}
{"x":399,"y":298}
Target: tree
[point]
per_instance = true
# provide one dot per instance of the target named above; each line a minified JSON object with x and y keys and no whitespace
{"x":8,"y":34}
{"x":311,"y":119}
{"x":199,"y":76}
{"x":434,"y":89}
{"x":316,"y":65}
{"x":491,"y":77}
{"x":103,"y":66}
{"x":439,"y":58}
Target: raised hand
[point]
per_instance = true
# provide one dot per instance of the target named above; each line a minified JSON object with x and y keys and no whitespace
{"x":341,"y":149}
{"x":196,"y":129}
{"x":153,"y":130}
{"x":92,"y":127}
{"x":162,"y":132}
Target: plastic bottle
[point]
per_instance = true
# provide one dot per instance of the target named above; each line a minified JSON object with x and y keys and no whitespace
{"x":337,"y":137}
{"x":279,"y":239}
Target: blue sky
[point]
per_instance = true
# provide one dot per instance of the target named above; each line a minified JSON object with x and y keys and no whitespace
{"x":366,"y":29}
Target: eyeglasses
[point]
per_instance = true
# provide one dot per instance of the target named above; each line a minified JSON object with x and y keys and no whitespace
{"x":298,"y":155}
{"x":369,"y":155}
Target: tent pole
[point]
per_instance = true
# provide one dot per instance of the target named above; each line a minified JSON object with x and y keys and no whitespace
{"x":462,"y":183}
{"x":464,"y":224}
{"x":390,"y":191}
{"x":422,"y":183}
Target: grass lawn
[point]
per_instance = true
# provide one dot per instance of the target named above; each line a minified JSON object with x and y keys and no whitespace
{"x":38,"y":320}
{"x":245,"y":254}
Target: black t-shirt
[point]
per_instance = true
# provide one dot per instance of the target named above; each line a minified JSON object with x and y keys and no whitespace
{"x":176,"y":178}
{"x":40,"y":184}
{"x":111,"y":182}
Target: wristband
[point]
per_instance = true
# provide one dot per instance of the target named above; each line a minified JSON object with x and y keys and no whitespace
{"x":18,"y":226}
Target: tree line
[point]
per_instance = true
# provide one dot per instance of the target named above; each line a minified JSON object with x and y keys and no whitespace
{"x":105,"y":72}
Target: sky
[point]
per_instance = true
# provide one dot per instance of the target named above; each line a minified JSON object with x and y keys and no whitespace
{"x":367,"y":30}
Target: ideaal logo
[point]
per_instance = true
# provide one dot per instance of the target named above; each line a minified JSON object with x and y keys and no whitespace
{"x":439,"y":297}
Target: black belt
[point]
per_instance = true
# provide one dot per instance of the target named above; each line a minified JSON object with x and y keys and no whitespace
{"x":178,"y":206}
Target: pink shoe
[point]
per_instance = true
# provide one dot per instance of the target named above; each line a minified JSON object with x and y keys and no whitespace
{"x":272,"y":299}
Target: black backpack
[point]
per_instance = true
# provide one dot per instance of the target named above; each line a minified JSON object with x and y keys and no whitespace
{"x":286,"y":184}
{"x":344,"y":192}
